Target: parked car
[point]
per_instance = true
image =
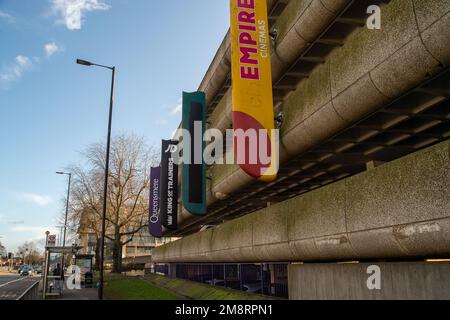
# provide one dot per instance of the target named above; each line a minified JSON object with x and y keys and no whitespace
{"x":38,"y":269}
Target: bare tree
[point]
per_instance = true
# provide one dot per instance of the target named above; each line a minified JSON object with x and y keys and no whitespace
{"x":29,"y":253}
{"x":72,"y":227}
{"x":127,"y":202}
{"x":3,"y":252}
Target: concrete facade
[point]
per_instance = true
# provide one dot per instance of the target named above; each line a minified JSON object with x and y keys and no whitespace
{"x":397,"y":210}
{"x":367,"y":72}
{"x":351,"y":99}
{"x":403,"y":281}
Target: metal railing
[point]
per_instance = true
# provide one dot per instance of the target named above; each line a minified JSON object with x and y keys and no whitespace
{"x":31,"y":293}
{"x":262,"y":278}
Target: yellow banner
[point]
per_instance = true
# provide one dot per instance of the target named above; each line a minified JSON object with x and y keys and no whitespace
{"x":252,"y":97}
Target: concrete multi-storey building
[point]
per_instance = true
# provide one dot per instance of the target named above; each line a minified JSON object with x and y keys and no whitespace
{"x":363,"y":187}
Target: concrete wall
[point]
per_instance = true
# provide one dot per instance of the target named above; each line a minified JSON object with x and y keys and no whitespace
{"x":414,"y":281}
{"x":372,"y":69}
{"x":400,"y":209}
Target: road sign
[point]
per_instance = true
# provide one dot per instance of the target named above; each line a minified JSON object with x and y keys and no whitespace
{"x":51,"y":240}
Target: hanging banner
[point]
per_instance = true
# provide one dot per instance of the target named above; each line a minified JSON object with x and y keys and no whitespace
{"x":169,"y":184}
{"x":194,"y":171}
{"x":154,"y":223}
{"x":255,"y":147}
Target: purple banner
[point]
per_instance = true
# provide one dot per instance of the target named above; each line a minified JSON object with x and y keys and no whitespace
{"x":155,"y":227}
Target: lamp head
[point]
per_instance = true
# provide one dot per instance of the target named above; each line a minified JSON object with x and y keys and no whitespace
{"x":84,"y":62}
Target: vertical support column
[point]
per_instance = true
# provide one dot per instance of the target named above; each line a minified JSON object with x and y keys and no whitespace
{"x":262,"y":278}
{"x":47,"y":260}
{"x":272,"y":278}
{"x":172,"y":272}
{"x":225,"y":275}
{"x":241,"y":284}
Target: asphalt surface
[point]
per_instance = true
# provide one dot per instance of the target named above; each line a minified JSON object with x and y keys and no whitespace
{"x":7,"y":278}
{"x":13,"y":286}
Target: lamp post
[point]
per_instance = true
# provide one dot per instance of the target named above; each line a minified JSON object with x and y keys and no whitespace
{"x":65,"y":219}
{"x":105,"y":187}
{"x":67,"y":205}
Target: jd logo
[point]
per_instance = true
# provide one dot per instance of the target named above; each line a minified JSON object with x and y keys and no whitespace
{"x":74,"y":281}
{"x":374,"y":21}
{"x":374,"y":281}
{"x":171,"y":148}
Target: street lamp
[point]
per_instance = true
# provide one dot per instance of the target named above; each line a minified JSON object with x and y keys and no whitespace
{"x":65,"y":219}
{"x":84,"y":62}
{"x":67,"y":204}
{"x":105,"y":187}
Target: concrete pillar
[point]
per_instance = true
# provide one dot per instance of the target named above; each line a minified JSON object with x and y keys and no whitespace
{"x":172,"y":271}
{"x":359,"y":281}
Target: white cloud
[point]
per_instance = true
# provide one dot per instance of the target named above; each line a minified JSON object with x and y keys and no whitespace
{"x":6,"y":16}
{"x":23,"y":61}
{"x":177,"y":109}
{"x":71,"y":12}
{"x":161,"y":122}
{"x":40,"y":200}
{"x":34,"y":234}
{"x":51,"y":48}
{"x":16,"y":70}
{"x":29,"y":229}
{"x":16,"y":223}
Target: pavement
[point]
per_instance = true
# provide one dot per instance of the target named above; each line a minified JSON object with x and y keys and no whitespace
{"x":83,"y":294}
{"x":12,"y":286}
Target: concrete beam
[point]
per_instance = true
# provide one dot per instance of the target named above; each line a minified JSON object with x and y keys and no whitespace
{"x":404,"y":281}
{"x":398,"y":210}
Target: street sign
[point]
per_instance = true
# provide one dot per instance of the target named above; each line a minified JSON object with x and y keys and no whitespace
{"x":51,"y":240}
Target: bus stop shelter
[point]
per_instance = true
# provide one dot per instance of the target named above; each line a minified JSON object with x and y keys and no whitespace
{"x":51,"y":280}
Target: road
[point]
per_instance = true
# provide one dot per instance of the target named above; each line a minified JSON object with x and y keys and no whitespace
{"x":13,"y":286}
{"x":7,"y":278}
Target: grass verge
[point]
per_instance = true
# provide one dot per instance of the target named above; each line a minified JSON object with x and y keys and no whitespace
{"x":118,"y":287}
{"x":201,"y":291}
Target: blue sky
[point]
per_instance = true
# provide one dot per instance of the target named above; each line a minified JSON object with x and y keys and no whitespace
{"x":51,"y":108}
